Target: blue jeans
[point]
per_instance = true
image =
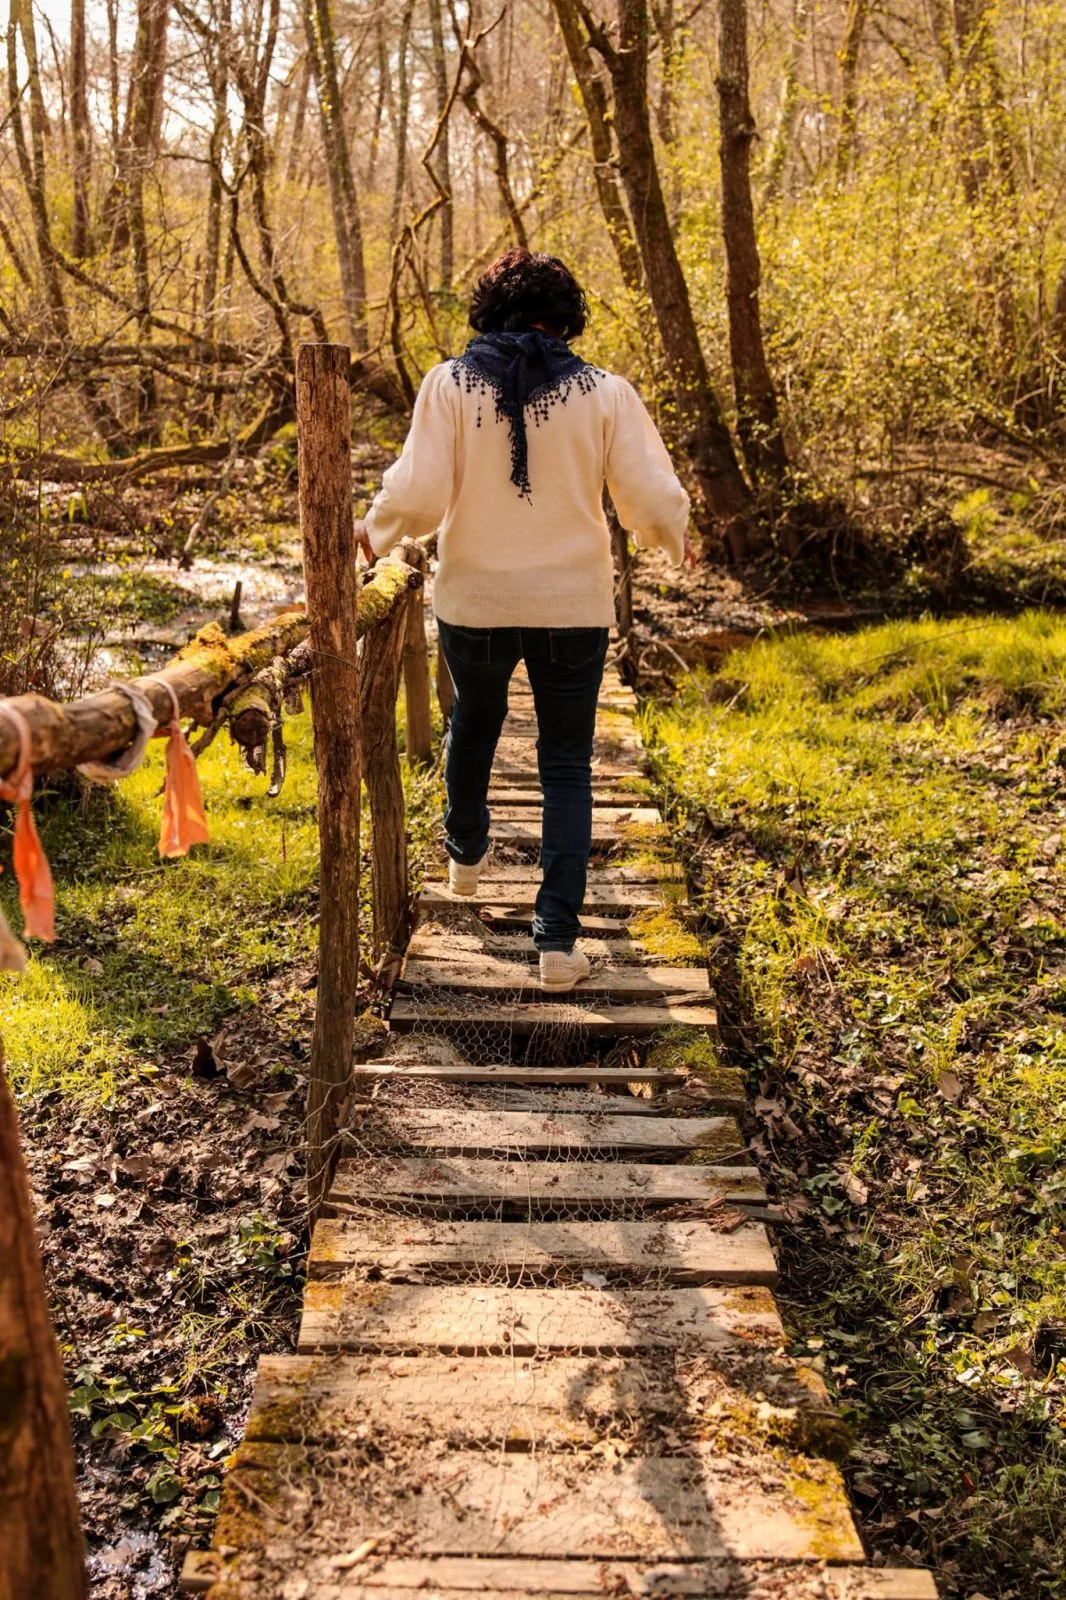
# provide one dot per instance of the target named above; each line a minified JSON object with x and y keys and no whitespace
{"x":565,"y":667}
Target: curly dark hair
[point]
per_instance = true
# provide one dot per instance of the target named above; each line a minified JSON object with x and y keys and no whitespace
{"x":522,"y":288}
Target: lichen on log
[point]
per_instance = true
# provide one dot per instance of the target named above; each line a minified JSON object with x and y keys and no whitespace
{"x":253,"y":711}
{"x":387,"y":585}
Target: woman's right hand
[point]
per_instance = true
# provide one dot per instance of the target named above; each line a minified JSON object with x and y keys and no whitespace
{"x":362,"y":540}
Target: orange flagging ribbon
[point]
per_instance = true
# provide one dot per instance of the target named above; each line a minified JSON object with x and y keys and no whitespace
{"x":183,"y":822}
{"x":32,"y":872}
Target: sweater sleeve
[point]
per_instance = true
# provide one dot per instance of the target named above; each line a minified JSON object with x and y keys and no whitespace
{"x":647,"y":494}
{"x":417,"y":489}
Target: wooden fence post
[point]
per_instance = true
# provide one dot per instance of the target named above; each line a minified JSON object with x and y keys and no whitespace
{"x":379,"y":682}
{"x":41,"y":1549}
{"x":623,"y":573}
{"x":323,"y":414}
{"x":416,"y":665}
{"x":445,"y":687}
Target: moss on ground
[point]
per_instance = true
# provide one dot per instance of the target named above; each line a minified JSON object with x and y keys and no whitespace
{"x":665,"y":936}
{"x":881,"y":818}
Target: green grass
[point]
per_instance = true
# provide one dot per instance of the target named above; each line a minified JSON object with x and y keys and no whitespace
{"x":881,"y":820}
{"x":152,"y":953}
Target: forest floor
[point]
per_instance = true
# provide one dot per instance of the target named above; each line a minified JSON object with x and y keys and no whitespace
{"x":875,"y":821}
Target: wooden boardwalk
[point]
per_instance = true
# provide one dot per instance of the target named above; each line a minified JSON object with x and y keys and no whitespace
{"x":539,"y":1352}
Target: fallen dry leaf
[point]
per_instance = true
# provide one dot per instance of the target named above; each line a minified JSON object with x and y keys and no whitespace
{"x":353,"y":1558}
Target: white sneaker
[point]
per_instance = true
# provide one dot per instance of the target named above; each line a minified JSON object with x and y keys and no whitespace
{"x":560,"y":970}
{"x":464,"y":880}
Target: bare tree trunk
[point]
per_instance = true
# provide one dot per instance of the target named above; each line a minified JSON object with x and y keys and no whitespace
{"x":219,"y":76}
{"x":443,"y":162}
{"x":81,"y":241}
{"x":383,"y":98}
{"x":113,"y":96}
{"x":146,"y":94}
{"x":41,"y":1549}
{"x":33,"y":170}
{"x":758,"y":424}
{"x":666,"y":28}
{"x":785,"y":126}
{"x":727,"y":499}
{"x":850,"y":48}
{"x":498,"y":140}
{"x":32,"y":165}
{"x":323,"y":407}
{"x":299,"y":117}
{"x":988,"y":157}
{"x":987,"y":162}
{"x":347,"y":223}
{"x":594,"y":100}
{"x":403,"y":117}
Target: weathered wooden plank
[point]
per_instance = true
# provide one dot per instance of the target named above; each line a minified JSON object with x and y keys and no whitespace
{"x":483,"y":1318}
{"x":676,"y":1252}
{"x":618,"y":757}
{"x":565,"y":1101}
{"x":619,"y":897}
{"x":409,"y":1579}
{"x":503,"y":917}
{"x":436,"y":945}
{"x":488,"y":974}
{"x":530,"y":795}
{"x":609,"y":815}
{"x":724,"y":1092}
{"x":495,"y":1401}
{"x":553,"y":1505}
{"x":655,"y":872}
{"x":472,"y":1181}
{"x":410,"y":1011}
{"x":538,"y":1076}
{"x":614,"y":729}
{"x":506,"y":1578}
{"x":495,"y":1579}
{"x":518,"y":766}
{"x":604,"y":834}
{"x":465,"y":1131}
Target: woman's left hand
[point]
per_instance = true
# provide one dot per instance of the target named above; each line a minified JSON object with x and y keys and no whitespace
{"x":690,"y":558}
{"x":362,"y":539}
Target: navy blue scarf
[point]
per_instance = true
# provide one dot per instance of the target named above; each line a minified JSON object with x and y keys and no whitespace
{"x":523,"y":369}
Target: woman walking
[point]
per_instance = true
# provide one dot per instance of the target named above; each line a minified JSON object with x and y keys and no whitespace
{"x":509,"y":449}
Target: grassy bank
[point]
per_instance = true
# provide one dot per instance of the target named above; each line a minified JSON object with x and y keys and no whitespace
{"x":152,"y":954}
{"x":879,"y":829}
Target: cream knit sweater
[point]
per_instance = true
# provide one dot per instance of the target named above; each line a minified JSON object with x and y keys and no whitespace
{"x":545,"y":562}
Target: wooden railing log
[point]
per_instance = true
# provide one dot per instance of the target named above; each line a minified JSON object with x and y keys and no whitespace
{"x":40,"y":1533}
{"x":201,"y":674}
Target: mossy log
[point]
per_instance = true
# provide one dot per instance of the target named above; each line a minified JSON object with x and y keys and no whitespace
{"x":98,"y":726}
{"x":40,"y":1535}
{"x":253,"y":710}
